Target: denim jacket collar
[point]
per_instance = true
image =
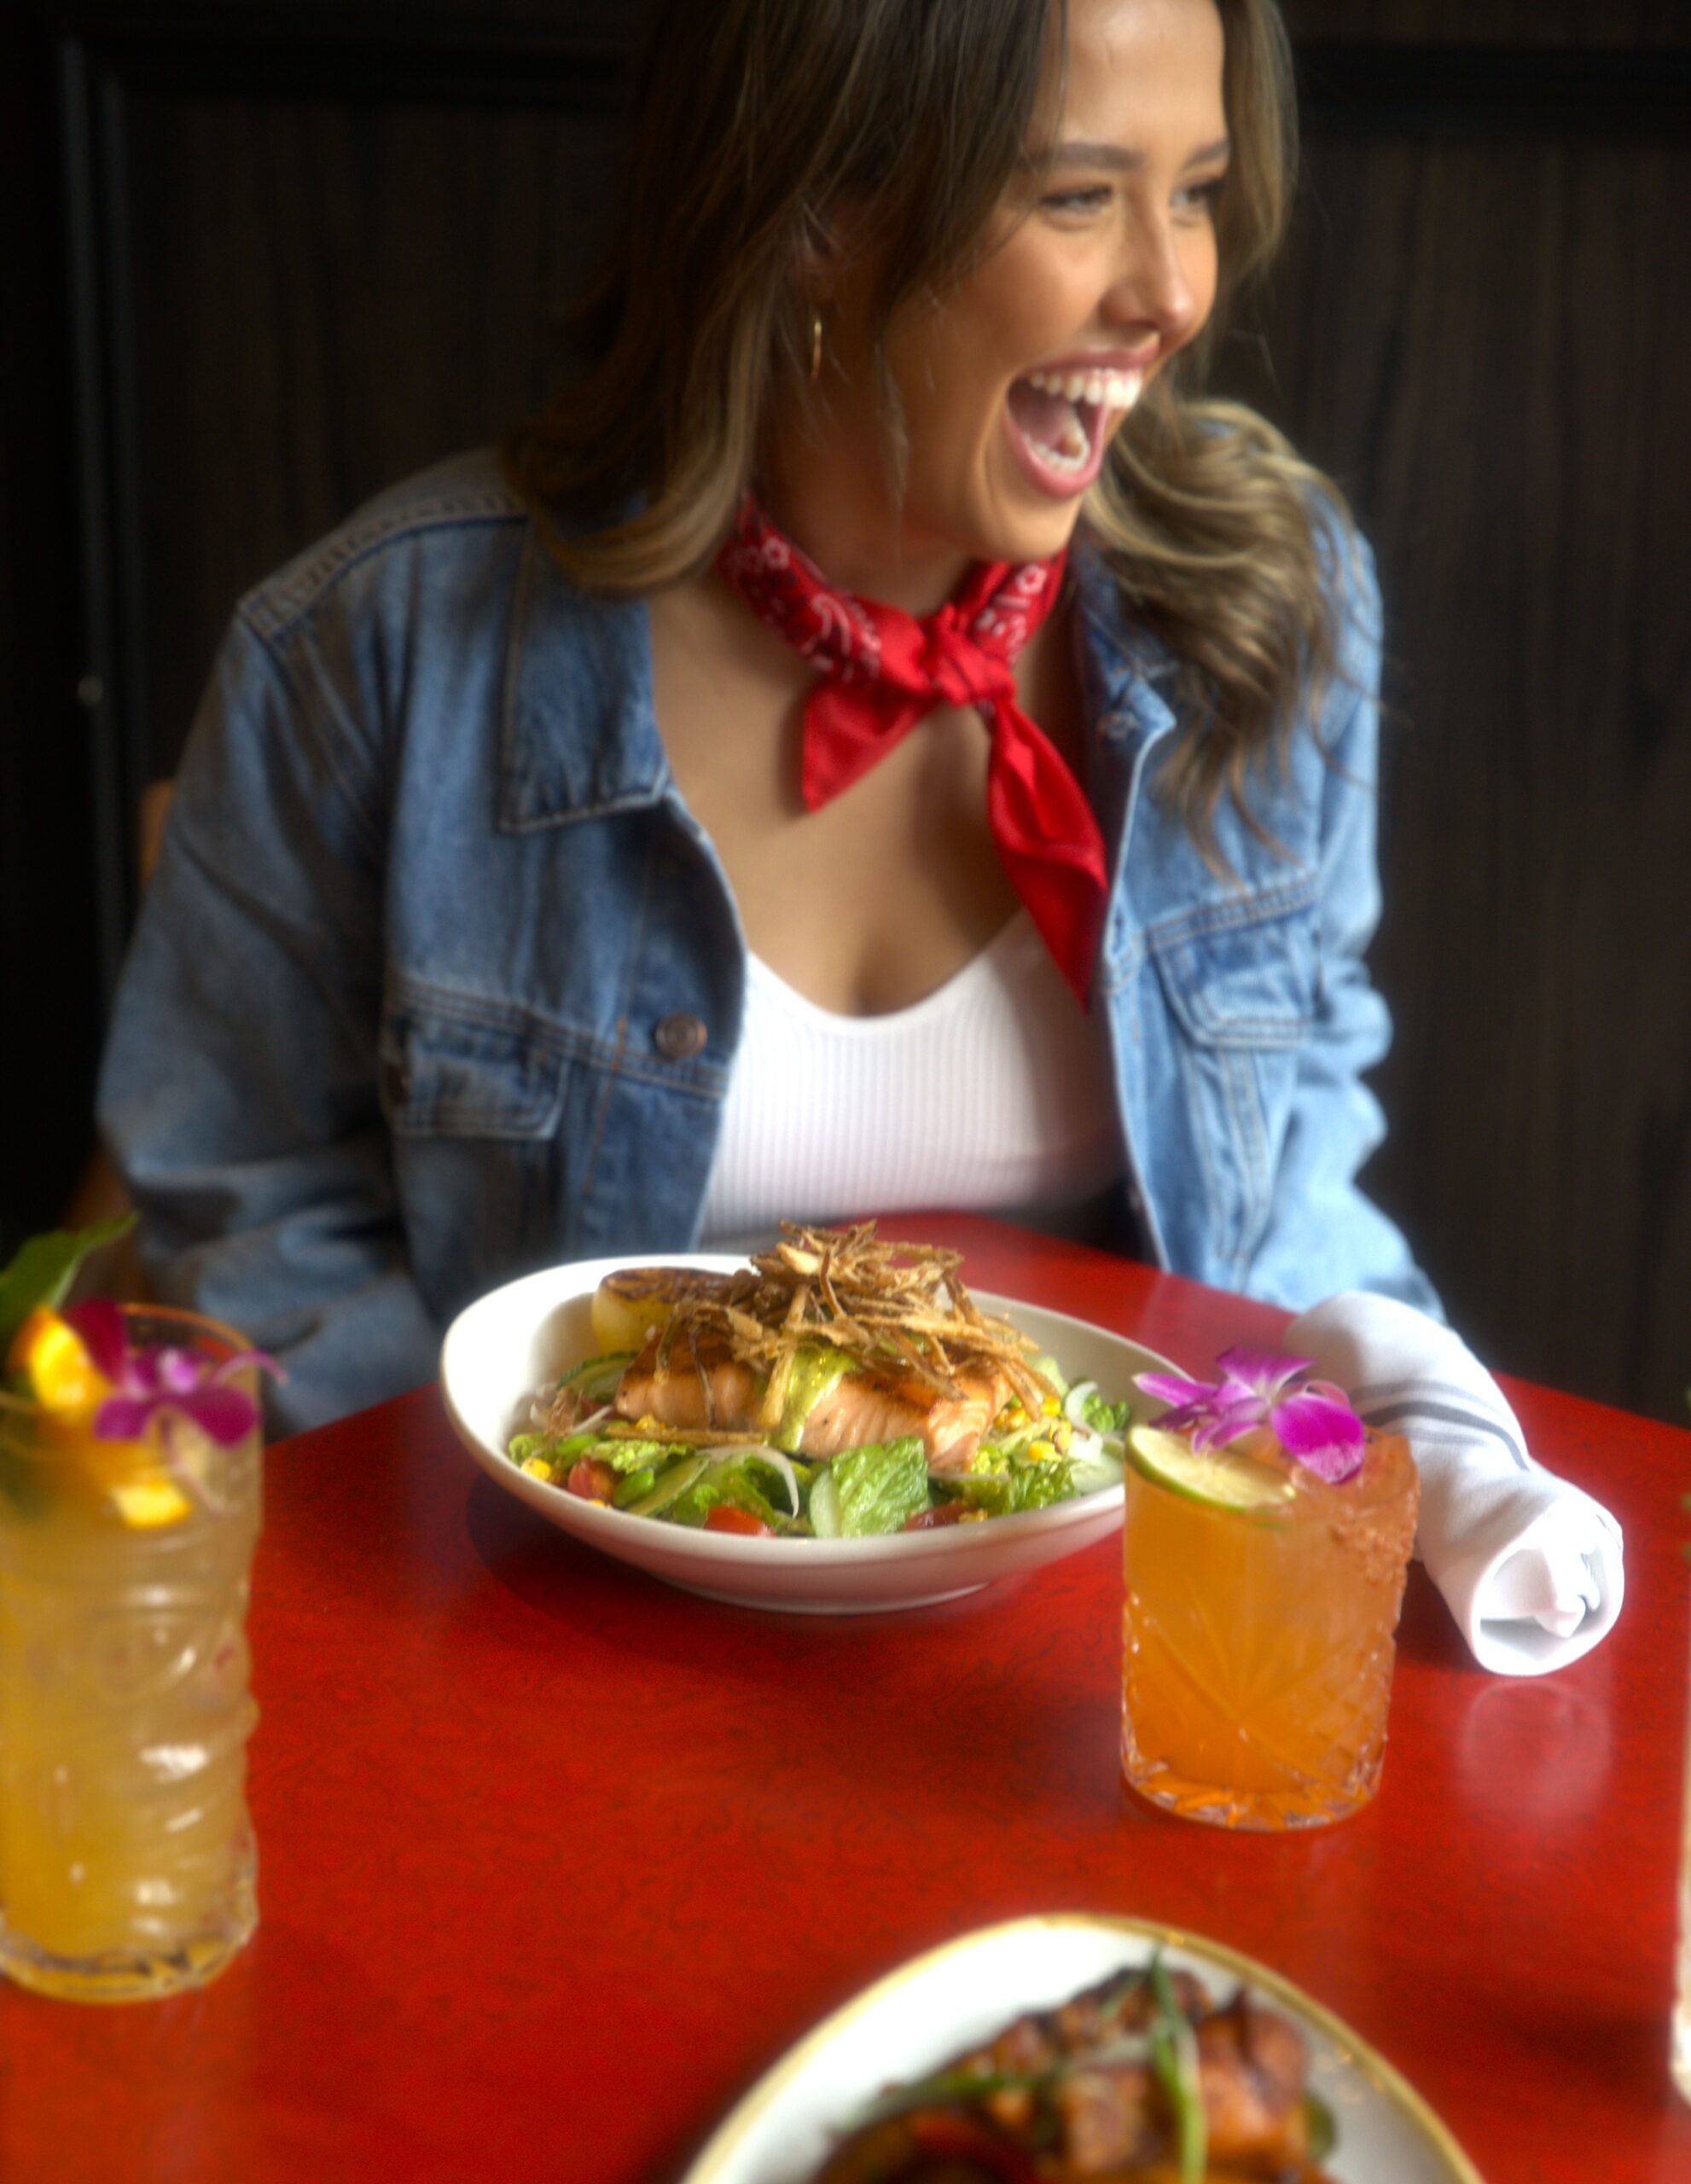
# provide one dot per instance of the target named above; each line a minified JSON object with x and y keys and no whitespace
{"x":1124,"y":669}
{"x":570,"y":661}
{"x":561,"y":760}
{"x":1126,"y":666}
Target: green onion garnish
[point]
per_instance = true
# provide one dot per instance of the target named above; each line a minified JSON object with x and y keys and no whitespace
{"x":1174,"y":2057}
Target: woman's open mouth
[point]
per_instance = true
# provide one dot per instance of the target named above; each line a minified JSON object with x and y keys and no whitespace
{"x":1059,"y":424}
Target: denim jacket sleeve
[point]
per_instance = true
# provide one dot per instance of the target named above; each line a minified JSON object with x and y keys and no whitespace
{"x":262,"y":1183}
{"x":1323,"y":1234}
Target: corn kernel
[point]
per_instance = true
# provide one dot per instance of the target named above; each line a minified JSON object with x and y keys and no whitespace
{"x":537,"y":1467}
{"x":1040,"y":1452}
{"x":1050,"y":1407}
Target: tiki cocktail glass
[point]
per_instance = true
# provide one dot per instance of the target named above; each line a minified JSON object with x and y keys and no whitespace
{"x":1258,"y":1642}
{"x":126,"y":1856}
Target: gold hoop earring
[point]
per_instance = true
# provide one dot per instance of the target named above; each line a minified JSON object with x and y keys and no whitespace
{"x":816,"y":346}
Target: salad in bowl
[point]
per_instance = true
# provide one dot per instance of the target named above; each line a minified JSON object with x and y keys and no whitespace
{"x":836,"y":1388}
{"x":837,"y":1424}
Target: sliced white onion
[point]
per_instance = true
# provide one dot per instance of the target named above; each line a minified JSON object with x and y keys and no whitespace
{"x":1073,"y":1402}
{"x":764,"y":1454}
{"x":1095,"y":1441}
{"x":777,"y":1462}
{"x":825,"y":1506}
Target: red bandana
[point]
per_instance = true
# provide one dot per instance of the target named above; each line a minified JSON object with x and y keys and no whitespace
{"x":882,"y":670}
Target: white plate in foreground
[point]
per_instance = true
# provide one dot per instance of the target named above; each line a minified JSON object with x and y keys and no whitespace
{"x":503,"y":1348}
{"x":941,"y":2004}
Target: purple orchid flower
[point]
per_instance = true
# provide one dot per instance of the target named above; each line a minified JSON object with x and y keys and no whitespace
{"x":1312,"y":1420}
{"x":152,"y":1386}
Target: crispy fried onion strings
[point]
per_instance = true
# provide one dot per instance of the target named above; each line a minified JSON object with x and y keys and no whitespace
{"x":891,"y":1307}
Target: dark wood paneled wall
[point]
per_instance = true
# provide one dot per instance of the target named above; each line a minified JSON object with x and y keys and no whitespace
{"x":50,"y":1002}
{"x":397,"y":265}
{"x":272,"y":257}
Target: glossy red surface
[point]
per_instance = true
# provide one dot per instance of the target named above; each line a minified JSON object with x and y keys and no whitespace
{"x":553,"y":1860}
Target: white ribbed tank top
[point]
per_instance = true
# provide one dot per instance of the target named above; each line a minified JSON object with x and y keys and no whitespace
{"x":992,"y":1094}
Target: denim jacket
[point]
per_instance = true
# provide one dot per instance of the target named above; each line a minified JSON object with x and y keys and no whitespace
{"x":438,"y":980}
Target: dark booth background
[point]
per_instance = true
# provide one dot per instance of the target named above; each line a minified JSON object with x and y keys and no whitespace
{"x":263,"y":257}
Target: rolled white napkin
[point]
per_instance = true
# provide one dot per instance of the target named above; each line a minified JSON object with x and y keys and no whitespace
{"x":1529,"y":1563}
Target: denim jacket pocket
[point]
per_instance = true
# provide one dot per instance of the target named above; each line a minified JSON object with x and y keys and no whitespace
{"x":475,"y":1104}
{"x":444,"y":1074}
{"x":1241,"y":996}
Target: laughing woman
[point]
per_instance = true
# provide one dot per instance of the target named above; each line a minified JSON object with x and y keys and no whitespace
{"x":877,"y":738}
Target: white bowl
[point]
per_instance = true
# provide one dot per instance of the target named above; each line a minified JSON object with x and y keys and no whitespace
{"x":508,"y":1344}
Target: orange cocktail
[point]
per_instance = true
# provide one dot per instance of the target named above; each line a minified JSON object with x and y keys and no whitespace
{"x":126,"y":1859}
{"x":1258,"y":1629}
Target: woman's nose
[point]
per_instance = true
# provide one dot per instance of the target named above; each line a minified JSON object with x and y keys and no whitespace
{"x":1153,"y":286}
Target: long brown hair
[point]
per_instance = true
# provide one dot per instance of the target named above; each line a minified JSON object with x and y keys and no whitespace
{"x":756,"y":119}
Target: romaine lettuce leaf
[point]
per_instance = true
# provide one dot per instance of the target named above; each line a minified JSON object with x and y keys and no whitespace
{"x":627,"y":1455}
{"x":724,"y":1482}
{"x":562,"y":1450}
{"x":876,"y":1487}
{"x":1023,"y":1486}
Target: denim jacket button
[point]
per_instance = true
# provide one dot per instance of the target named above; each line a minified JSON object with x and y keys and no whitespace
{"x":679,"y":1037}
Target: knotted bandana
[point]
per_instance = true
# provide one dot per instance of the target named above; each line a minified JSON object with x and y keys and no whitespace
{"x":882,"y":671}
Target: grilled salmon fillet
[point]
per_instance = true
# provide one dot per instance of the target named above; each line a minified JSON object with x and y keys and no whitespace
{"x":698,"y":1382}
{"x":692,"y":1379}
{"x":878,"y":1404}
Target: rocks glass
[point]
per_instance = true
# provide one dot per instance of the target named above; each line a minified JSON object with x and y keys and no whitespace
{"x":1258,"y":1639}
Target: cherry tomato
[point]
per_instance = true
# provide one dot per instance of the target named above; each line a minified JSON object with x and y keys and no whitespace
{"x":592,"y":1478}
{"x":927,"y":1520}
{"x":723,"y":1517}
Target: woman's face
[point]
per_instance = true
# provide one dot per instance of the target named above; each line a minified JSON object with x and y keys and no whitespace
{"x":1096,"y":274}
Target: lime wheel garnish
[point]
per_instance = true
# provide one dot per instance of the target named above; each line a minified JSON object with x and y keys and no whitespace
{"x":1220,"y":1479}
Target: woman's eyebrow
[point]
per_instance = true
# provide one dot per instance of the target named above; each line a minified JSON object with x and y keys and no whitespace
{"x":1078,"y":154}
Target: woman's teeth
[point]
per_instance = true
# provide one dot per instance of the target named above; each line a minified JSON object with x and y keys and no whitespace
{"x":1103,"y":390}
{"x":1063,"y":421}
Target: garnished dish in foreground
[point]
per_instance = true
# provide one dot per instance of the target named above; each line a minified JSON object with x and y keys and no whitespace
{"x":836,"y":1387}
{"x":1267,"y":1537}
{"x":1142,"y":2075}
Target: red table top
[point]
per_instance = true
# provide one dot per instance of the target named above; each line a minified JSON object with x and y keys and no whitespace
{"x":555,"y":1861}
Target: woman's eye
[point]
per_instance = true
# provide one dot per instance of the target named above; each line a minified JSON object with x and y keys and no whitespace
{"x":1075,"y":201}
{"x":1201,"y":196}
